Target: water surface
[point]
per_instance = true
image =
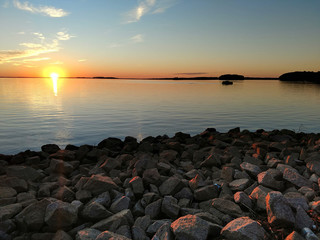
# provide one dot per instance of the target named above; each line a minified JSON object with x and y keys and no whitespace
{"x":35,"y":111}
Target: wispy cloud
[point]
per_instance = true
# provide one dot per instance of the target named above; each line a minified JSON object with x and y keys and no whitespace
{"x":137,"y":38}
{"x":43,"y":10}
{"x":21,"y":33}
{"x":63,"y":36}
{"x":57,"y":63}
{"x":42,"y":45}
{"x":82,"y":60}
{"x":148,"y":7}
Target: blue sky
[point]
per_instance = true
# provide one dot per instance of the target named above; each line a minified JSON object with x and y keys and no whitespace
{"x":151,"y":38}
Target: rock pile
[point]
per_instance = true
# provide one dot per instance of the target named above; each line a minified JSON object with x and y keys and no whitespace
{"x":234,"y":185}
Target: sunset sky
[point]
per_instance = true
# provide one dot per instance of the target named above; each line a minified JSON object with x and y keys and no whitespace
{"x":158,"y":38}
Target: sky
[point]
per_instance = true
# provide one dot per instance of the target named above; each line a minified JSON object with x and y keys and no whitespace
{"x":158,"y":38}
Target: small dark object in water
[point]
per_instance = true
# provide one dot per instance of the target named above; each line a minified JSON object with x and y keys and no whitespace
{"x":227,"y":82}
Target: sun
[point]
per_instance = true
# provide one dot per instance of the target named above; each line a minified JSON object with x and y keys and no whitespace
{"x":54,"y":75}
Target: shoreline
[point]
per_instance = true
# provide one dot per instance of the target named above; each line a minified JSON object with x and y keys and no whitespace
{"x":237,"y":184}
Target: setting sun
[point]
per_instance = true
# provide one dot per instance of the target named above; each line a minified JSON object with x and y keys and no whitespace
{"x":54,"y":76}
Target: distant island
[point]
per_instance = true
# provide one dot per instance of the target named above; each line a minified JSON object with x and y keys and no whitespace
{"x":231,"y":77}
{"x":313,"y":77}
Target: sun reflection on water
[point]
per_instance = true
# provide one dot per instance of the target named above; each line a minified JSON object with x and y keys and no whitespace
{"x":54,"y":77}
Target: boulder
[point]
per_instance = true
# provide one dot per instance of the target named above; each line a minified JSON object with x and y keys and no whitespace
{"x":95,"y":211}
{"x":61,"y":235}
{"x":87,"y":234}
{"x":239,"y":184}
{"x":61,"y":215}
{"x":24,"y":172}
{"x":106,"y":235}
{"x":97,"y":184}
{"x":251,"y":169}
{"x":243,"y":228}
{"x":279,"y":210}
{"x":154,"y":209}
{"x":164,"y":233}
{"x":113,"y":222}
{"x":7,"y":192}
{"x":227,"y":207}
{"x":170,"y":207}
{"x":9,"y":211}
{"x":295,"y":178}
{"x":136,"y":184}
{"x":206,"y":193}
{"x":190,"y":227}
{"x":171,"y":186}
{"x":120,"y":204}
{"x":60,"y":167}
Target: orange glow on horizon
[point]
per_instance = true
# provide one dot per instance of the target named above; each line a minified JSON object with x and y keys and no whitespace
{"x":57,"y":71}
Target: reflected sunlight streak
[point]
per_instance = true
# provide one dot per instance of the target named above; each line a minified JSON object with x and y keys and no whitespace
{"x":54,"y":77}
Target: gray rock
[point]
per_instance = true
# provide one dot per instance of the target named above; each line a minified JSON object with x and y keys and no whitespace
{"x":190,"y":227}
{"x":18,"y":184}
{"x":64,"y":194}
{"x":296,"y":199}
{"x":170,"y":207}
{"x":115,"y":221}
{"x":243,"y":199}
{"x":60,"y":215}
{"x":243,"y":228}
{"x":268,"y":179}
{"x":294,"y":236}
{"x":251,"y":169}
{"x":227,"y":207}
{"x":24,"y":172}
{"x":9,"y":211}
{"x":136,"y":184}
{"x":295,"y":178}
{"x":41,"y":236}
{"x":32,"y":217}
{"x":106,"y":235}
{"x":143,"y":222}
{"x":212,"y":160}
{"x":314,"y":166}
{"x":153,"y":228}
{"x":164,"y":233}
{"x":138,"y":233}
{"x":120,"y":204}
{"x":206,"y":193}
{"x":61,"y":235}
{"x":279,"y":210}
{"x":196,"y":182}
{"x":184,"y":193}
{"x":87,"y":234}
{"x":65,"y":155}
{"x":7,"y":192}
{"x":239,"y":184}
{"x":124,"y":231}
{"x":110,"y":163}
{"x":83,"y":195}
{"x":95,"y":211}
{"x":97,"y":184}
{"x":60,"y":167}
{"x":259,"y":194}
{"x":171,"y":186}
{"x":302,"y":219}
{"x":152,"y":176}
{"x":154,"y":209}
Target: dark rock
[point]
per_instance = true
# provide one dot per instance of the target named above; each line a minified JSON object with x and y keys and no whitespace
{"x":9,"y":211}
{"x":170,"y":207}
{"x":97,"y":184}
{"x":279,"y":210}
{"x":239,"y":184}
{"x":302,"y":219}
{"x":243,"y":199}
{"x":65,"y":155}
{"x":295,"y":178}
{"x":32,"y":217}
{"x":61,"y":235}
{"x":138,"y":233}
{"x":296,"y":199}
{"x":60,"y":167}
{"x":7,"y":192}
{"x":294,"y":236}
{"x":24,"y":172}
{"x":113,"y":144}
{"x":171,"y":186}
{"x":124,"y":231}
{"x":259,"y":194}
{"x":190,"y":227}
{"x":251,"y":169}
{"x":154,"y":209}
{"x":50,"y":148}
{"x":120,"y":204}
{"x":110,"y":235}
{"x":18,"y":184}
{"x":164,"y":233}
{"x":151,"y":176}
{"x":64,"y":194}
{"x":227,"y":207}
{"x":136,"y":184}
{"x":268,"y":179}
{"x":60,"y":215}
{"x":115,"y":221}
{"x":95,"y":211}
{"x":87,"y":234}
{"x":143,"y":222}
{"x":243,"y":228}
{"x":206,"y":193}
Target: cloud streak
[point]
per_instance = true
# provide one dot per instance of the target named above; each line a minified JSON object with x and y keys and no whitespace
{"x":137,"y":38}
{"x":148,"y":7}
{"x":43,"y":10}
{"x":33,"y":49}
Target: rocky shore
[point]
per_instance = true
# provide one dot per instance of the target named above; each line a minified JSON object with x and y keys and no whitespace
{"x":234,"y":185}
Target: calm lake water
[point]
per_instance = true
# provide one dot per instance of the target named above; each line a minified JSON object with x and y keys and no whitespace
{"x":35,"y":111}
